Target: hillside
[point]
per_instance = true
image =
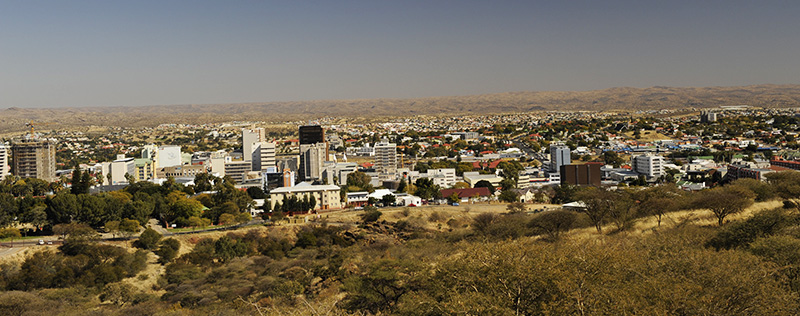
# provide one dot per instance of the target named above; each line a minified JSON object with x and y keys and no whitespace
{"x":625,"y":98}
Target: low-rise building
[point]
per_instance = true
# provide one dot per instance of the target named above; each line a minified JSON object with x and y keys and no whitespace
{"x":586,"y":174}
{"x":652,"y":166}
{"x":327,"y":196}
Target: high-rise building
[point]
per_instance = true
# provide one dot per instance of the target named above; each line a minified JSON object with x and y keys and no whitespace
{"x":34,"y":159}
{"x":311,"y":134}
{"x":251,"y":138}
{"x":312,"y":159}
{"x":559,"y":156}
{"x":386,"y":157}
{"x":3,"y":162}
{"x":264,"y":156}
{"x":708,"y":117}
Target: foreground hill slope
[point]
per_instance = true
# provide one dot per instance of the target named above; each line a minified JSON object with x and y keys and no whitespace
{"x":625,"y":98}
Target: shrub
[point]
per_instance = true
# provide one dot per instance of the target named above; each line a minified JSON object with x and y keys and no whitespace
{"x":168,"y":250}
{"x":552,"y":223}
{"x":148,"y":239}
{"x":371,"y":214}
{"x":741,"y":234}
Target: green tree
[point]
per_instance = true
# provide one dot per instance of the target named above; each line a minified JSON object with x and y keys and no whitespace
{"x":128,"y":227}
{"x":112,"y":227}
{"x":453,"y":198}
{"x":724,"y":201}
{"x":388,"y":199}
{"x":168,"y":250}
{"x":508,"y":196}
{"x":226,"y":219}
{"x":485,"y":184}
{"x":553,"y":223}
{"x":148,"y":239}
{"x":426,"y":189}
{"x":381,"y":287}
{"x":598,"y":204}
{"x":360,"y":180}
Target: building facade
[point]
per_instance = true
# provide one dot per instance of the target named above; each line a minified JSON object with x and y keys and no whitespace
{"x":559,"y":156}
{"x":327,"y":196}
{"x":386,"y":158}
{"x":312,"y":159}
{"x":238,"y":169}
{"x":4,"y":168}
{"x":34,"y":159}
{"x":311,"y":134}
{"x":251,"y":140}
{"x":586,"y":174}
{"x":265,"y":157}
{"x":649,"y":165}
{"x":168,"y":156}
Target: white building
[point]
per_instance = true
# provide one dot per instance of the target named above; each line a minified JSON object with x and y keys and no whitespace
{"x":264,"y":157}
{"x":474,"y":177}
{"x":386,"y":158}
{"x":114,"y":172}
{"x":327,"y":196}
{"x":649,"y":165}
{"x":444,"y":178}
{"x":251,"y":138}
{"x":336,"y":172}
{"x":559,"y":156}
{"x":168,"y":156}
{"x":4,"y":167}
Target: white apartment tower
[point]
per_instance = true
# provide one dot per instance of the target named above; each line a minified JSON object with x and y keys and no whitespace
{"x":386,"y":157}
{"x":649,"y":165}
{"x":3,"y":161}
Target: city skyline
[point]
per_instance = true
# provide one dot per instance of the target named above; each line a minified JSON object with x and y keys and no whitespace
{"x":94,"y":53}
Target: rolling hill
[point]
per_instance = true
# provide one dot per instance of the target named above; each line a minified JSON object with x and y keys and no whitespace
{"x":622,"y":98}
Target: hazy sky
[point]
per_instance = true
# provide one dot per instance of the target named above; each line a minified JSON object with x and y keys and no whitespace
{"x":115,"y":53}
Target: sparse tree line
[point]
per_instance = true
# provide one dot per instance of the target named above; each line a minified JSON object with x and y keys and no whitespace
{"x":23,"y":204}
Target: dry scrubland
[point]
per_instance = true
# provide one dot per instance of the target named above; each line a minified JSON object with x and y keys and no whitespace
{"x":447,"y":262}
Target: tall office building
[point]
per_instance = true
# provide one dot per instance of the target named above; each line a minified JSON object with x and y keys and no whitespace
{"x":251,"y":138}
{"x":559,"y":156}
{"x":386,"y":157}
{"x":34,"y":159}
{"x":3,"y":161}
{"x":312,"y":159}
{"x":264,"y":156}
{"x":311,"y":134}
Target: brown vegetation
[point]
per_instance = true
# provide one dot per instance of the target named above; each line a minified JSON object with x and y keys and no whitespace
{"x":625,"y":98}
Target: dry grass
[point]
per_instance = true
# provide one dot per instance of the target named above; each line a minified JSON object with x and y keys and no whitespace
{"x":648,"y":225}
{"x":647,"y":136}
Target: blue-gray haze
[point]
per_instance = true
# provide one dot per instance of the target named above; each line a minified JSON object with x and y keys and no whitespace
{"x":116,"y":53}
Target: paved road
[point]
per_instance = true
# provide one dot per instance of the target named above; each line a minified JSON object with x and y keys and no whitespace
{"x":7,"y":251}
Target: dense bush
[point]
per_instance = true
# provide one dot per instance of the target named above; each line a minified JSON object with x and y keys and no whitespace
{"x":741,"y":234}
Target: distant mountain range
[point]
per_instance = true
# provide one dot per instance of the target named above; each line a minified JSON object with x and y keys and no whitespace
{"x":770,"y":96}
